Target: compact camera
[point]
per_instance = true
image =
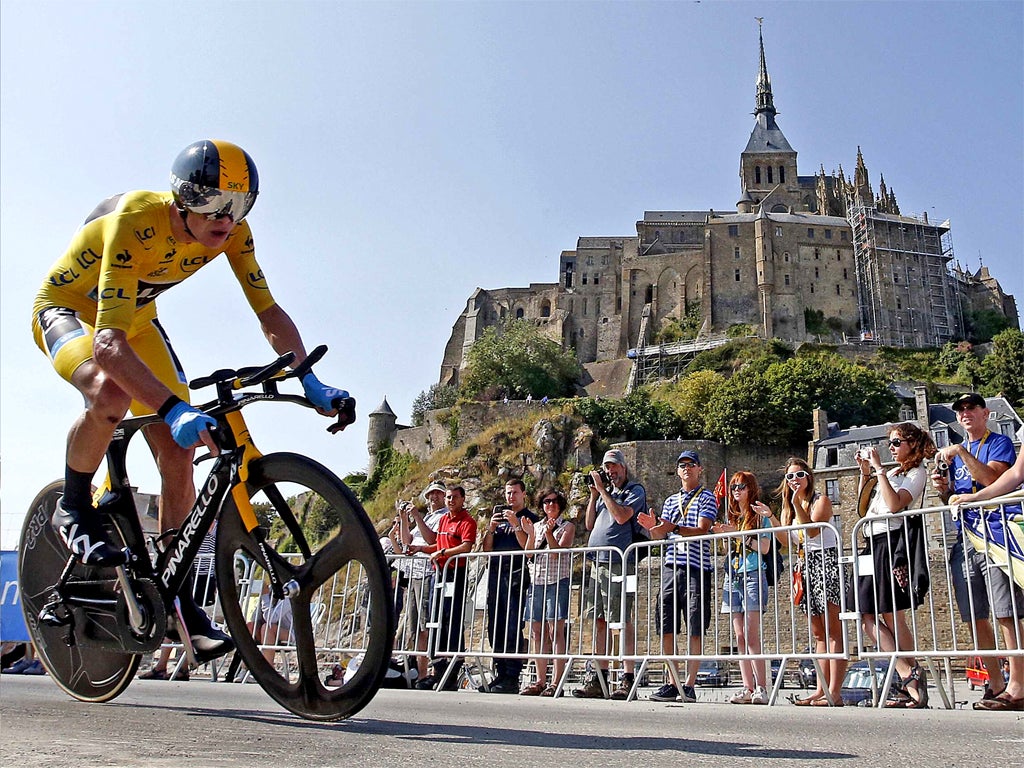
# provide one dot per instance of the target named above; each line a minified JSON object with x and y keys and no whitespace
{"x":941,"y":466}
{"x":864,"y":454}
{"x":606,"y":479}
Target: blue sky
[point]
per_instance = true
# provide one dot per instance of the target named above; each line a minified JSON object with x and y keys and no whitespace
{"x":411,"y":152}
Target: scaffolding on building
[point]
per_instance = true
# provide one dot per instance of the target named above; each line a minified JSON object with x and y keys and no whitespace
{"x":906,"y":293}
{"x":665,"y":362}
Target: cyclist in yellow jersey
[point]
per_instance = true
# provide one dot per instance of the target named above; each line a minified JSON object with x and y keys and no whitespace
{"x":95,"y":317}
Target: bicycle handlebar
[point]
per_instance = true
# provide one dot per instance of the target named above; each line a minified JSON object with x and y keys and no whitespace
{"x":228,"y":381}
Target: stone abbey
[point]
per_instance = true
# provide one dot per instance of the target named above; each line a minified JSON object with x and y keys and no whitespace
{"x":820,"y":257}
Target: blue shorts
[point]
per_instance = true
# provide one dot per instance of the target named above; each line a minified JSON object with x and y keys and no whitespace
{"x":745,"y":592}
{"x":548,"y":601}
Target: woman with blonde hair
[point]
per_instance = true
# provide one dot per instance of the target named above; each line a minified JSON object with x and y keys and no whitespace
{"x":817,"y":558}
{"x":884,"y":589}
{"x":746,"y":589}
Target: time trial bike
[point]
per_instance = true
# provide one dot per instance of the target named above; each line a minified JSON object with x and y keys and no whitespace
{"x":92,"y":625}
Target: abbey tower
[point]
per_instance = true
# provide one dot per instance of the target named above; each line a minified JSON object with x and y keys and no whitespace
{"x":800,"y":258}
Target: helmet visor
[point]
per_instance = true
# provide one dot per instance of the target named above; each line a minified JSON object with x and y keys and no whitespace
{"x":215,"y":203}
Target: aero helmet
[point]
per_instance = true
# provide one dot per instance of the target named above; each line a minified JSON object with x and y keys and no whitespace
{"x":216,"y":179}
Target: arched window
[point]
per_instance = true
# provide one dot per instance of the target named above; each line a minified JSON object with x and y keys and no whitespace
{"x":757,"y":174}
{"x":545,"y":309}
{"x":770,"y":179}
{"x":782,"y":174}
{"x":649,"y":294}
{"x":519,"y":313}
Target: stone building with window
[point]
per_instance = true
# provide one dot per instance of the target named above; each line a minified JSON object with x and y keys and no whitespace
{"x":801,"y":257}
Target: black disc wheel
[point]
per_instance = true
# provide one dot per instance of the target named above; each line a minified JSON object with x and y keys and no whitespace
{"x":80,"y":668}
{"x":319,"y":538}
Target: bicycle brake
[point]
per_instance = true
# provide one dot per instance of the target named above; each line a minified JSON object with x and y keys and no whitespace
{"x":346,"y":415}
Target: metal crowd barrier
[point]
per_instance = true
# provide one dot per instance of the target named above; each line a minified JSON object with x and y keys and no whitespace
{"x":454,"y":626}
{"x":934,"y":628}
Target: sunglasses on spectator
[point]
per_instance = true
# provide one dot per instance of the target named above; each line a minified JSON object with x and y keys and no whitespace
{"x":738,"y":487}
{"x":686,"y":465}
{"x":896,"y":442}
{"x":552,"y":500}
{"x":797,"y":475}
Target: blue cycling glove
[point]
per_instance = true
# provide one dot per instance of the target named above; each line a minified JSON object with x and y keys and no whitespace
{"x":320,"y":394}
{"x":186,"y":423}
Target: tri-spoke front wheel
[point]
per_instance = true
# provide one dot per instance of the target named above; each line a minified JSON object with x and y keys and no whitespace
{"x":320,"y":538}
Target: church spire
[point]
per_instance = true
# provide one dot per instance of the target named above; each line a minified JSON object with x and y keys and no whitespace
{"x":765,"y":104}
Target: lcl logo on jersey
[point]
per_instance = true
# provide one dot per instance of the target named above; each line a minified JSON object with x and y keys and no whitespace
{"x":87,"y":258}
{"x":256,"y":280}
{"x":191,"y":264}
{"x":145,"y":234}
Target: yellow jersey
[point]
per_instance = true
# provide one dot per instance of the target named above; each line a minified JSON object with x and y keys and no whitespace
{"x":125,"y":255}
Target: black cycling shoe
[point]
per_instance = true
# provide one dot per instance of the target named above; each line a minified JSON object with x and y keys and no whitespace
{"x":83,"y":536}
{"x":208,"y":642}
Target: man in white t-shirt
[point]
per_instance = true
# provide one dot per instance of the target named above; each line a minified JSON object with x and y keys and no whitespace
{"x":418,"y":534}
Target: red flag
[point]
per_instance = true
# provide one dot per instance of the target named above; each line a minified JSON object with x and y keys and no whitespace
{"x":720,"y":488}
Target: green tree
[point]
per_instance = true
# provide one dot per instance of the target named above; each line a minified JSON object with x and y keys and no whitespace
{"x":517,"y":360}
{"x":773,"y":403}
{"x":690,"y":398}
{"x":437,"y":396}
{"x":985,"y":324}
{"x":1002,"y":370}
{"x":634,"y":417}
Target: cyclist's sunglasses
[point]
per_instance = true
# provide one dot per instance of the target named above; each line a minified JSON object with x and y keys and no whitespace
{"x":797,"y":475}
{"x":212,"y":203}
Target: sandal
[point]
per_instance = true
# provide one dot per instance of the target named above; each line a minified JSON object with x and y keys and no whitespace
{"x":808,"y":702}
{"x":1002,"y":703}
{"x":154,"y":674}
{"x":549,"y":692}
{"x":536,"y":689}
{"x":917,"y":681}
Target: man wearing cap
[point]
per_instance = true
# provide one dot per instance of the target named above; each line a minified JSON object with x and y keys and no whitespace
{"x":687,"y":569}
{"x":610,"y":519}
{"x":974,"y":464}
{"x":418,"y":532}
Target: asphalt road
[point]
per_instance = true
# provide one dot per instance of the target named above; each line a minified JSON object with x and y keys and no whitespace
{"x":207,"y":724}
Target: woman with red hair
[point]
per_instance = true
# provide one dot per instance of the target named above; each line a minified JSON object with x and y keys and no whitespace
{"x":746,"y":589}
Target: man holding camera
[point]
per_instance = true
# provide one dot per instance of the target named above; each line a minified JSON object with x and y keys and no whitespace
{"x":418,"y":532}
{"x":507,"y":580}
{"x":614,"y":503}
{"x":970,"y":466}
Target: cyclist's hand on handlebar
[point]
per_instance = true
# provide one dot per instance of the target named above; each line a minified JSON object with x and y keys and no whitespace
{"x":190,"y":426}
{"x":320,"y":395}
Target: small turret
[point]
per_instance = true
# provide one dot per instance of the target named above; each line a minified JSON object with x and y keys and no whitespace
{"x":380,"y":431}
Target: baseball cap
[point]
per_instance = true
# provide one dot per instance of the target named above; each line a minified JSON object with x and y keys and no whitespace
{"x":968,"y":398}
{"x":689,"y":456}
{"x":614,"y":456}
{"x":437,"y":485}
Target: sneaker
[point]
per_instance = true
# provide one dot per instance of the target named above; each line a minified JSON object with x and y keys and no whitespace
{"x":759,"y":696}
{"x":208,"y":642}
{"x":154,"y":673}
{"x":621,"y":691}
{"x":501,"y":685}
{"x":35,"y":668}
{"x":590,"y":690}
{"x":743,"y":697}
{"x":689,"y":695}
{"x":667,"y":692}
{"x":19,"y":667}
{"x":427,"y":683}
{"x":83,"y":536}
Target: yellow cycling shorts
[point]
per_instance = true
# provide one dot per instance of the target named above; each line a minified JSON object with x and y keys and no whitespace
{"x":67,"y":341}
